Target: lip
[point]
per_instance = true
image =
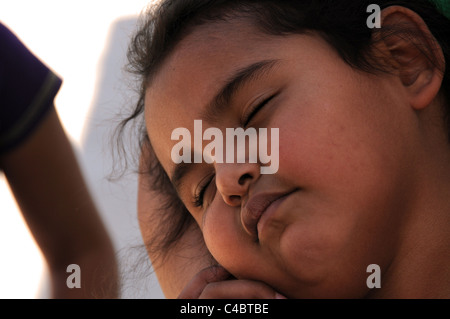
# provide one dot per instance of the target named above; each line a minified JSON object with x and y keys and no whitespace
{"x":259,"y":205}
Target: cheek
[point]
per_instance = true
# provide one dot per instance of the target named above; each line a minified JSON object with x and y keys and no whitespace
{"x":330,"y":144}
{"x":224,"y":237}
{"x":354,"y":185}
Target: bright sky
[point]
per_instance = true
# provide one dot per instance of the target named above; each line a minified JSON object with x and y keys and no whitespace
{"x":70,"y":37}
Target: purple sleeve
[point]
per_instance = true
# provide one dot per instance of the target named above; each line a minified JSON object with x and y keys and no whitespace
{"x":27,"y":90}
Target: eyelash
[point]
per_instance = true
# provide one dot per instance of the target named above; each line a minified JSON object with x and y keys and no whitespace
{"x":199,"y":196}
{"x":256,"y":109}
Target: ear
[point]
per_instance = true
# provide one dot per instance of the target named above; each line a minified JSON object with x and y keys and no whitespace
{"x":413,"y":52}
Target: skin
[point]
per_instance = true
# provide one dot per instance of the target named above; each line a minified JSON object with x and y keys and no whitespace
{"x":185,"y":259}
{"x":50,"y":190}
{"x":363,"y":157}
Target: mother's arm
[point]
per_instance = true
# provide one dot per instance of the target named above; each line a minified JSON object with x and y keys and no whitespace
{"x":175,"y":266}
{"x":54,"y":199}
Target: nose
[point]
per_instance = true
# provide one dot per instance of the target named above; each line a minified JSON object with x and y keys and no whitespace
{"x":234,"y":180}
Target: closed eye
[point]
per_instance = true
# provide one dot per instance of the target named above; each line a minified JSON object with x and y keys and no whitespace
{"x":201,"y":190}
{"x":256,"y":109}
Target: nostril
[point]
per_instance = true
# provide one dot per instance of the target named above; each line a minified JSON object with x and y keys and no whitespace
{"x":243,"y":178}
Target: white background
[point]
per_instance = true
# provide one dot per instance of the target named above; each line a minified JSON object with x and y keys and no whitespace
{"x":85,"y":43}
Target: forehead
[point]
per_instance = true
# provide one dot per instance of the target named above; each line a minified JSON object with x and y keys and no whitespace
{"x":210,"y":53}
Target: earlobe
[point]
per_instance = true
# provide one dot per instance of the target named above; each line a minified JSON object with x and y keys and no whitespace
{"x":414,"y":53}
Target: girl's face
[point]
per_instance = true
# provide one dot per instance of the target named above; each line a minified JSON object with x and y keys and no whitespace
{"x":340,"y":193}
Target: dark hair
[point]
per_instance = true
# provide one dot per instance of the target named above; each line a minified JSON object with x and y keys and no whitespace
{"x":342,"y":23}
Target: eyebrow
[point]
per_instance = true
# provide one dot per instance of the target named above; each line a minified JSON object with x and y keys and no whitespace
{"x":178,"y":173}
{"x":219,"y":103}
{"x":241,"y":77}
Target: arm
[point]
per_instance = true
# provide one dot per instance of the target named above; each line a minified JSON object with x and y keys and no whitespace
{"x":48,"y":185}
{"x":186,"y":258}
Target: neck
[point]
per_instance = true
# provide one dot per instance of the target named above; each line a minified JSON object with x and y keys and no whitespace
{"x":421,"y":266}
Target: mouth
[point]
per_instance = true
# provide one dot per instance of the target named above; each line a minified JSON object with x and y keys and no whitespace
{"x":259,"y":206}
